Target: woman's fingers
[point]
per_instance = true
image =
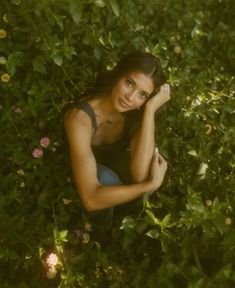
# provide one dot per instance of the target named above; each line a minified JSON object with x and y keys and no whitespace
{"x":156,"y":151}
{"x":158,"y":169}
{"x":159,"y":163}
{"x":161,"y":159}
{"x":166,"y":87}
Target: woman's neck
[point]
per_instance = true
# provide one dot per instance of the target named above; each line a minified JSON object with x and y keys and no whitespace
{"x":105,"y":110}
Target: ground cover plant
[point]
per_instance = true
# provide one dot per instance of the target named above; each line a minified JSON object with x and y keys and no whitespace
{"x":50,"y":52}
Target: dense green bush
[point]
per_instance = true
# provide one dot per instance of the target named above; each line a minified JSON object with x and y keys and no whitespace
{"x":50,"y":51}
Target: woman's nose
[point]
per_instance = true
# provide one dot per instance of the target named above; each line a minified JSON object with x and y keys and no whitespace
{"x":130,"y":95}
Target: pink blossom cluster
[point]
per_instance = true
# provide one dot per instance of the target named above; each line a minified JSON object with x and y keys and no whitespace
{"x":44,"y":143}
{"x":83,"y":234}
{"x":52,"y":262}
{"x":17,"y":110}
{"x":37,"y":153}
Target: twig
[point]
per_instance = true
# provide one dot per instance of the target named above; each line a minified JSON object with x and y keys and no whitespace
{"x":17,"y":130}
{"x":71,"y":81}
{"x":197,"y":260}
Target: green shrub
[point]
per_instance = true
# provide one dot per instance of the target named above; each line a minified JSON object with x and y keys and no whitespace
{"x":50,"y":52}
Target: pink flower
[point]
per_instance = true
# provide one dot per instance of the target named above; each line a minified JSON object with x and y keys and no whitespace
{"x":17,"y":110}
{"x":44,"y":142}
{"x":37,"y":153}
{"x":52,"y":260}
{"x":51,"y":273}
{"x":78,"y":232}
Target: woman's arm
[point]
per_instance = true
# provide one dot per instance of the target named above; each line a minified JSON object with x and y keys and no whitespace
{"x":142,"y":147}
{"x":142,"y":144}
{"x":93,"y":195}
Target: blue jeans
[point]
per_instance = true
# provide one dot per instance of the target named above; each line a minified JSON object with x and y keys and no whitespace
{"x":102,"y":219}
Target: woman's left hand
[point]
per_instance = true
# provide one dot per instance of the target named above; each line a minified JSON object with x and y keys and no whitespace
{"x":155,"y":102}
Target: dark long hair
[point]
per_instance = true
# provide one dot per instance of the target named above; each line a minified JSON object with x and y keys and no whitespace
{"x":135,"y":61}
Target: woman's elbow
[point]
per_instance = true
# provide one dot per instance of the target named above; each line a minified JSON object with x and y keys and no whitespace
{"x":88,"y":205}
{"x":88,"y":199}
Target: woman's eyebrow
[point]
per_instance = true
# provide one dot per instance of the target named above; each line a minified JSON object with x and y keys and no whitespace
{"x":132,"y":80}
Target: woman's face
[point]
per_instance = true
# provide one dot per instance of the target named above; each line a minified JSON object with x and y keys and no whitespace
{"x":131,"y":91}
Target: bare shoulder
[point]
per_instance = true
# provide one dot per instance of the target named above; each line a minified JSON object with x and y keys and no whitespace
{"x":76,"y":117}
{"x":78,"y":129}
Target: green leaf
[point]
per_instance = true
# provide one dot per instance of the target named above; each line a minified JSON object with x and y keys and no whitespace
{"x":115,"y":7}
{"x":166,"y":222}
{"x":153,"y":233}
{"x":3,"y":60}
{"x":69,"y":51}
{"x":62,"y":235}
{"x":38,"y":64}
{"x":127,"y":222}
{"x":60,"y":23}
{"x":202,"y":169}
{"x":100,"y":3}
{"x":58,"y":60}
{"x":14,"y":60}
{"x":152,"y":217}
{"x":75,"y":10}
{"x":97,"y":53}
{"x":145,"y":263}
{"x":16,"y":2}
{"x":192,"y":152}
{"x":41,"y":251}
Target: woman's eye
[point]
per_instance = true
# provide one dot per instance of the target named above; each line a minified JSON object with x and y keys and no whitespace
{"x":129,"y":83}
{"x":143,"y":96}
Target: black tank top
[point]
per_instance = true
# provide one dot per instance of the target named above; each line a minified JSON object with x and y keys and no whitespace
{"x":106,"y":154}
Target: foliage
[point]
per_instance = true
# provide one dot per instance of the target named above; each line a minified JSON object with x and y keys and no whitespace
{"x":50,"y":51}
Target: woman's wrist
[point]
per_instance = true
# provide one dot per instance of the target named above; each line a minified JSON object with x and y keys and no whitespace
{"x":150,"y":109}
{"x":150,"y":186}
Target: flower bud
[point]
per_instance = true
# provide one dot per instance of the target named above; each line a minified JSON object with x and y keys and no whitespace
{"x":209,"y":203}
{"x":177,"y":49}
{"x":228,"y":221}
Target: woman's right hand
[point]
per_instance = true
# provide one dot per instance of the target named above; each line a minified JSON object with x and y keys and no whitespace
{"x":157,"y":170}
{"x":163,"y":96}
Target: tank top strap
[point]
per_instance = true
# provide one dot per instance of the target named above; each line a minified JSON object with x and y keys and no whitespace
{"x":86,"y":107}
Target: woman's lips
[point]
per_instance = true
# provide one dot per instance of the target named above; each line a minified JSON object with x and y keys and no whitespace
{"x":123,"y":103}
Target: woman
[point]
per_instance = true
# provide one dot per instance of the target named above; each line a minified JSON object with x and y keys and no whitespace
{"x":117,"y":117}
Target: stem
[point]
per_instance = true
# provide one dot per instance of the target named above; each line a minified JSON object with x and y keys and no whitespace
{"x":197,"y":260}
{"x":17,"y":130}
{"x":56,"y":224}
{"x":138,"y":34}
{"x":73,"y":84}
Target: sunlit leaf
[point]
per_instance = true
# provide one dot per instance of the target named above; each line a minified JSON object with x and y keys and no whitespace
{"x":76,"y":10}
{"x":153,"y":233}
{"x":115,"y":7}
{"x":58,"y":60}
